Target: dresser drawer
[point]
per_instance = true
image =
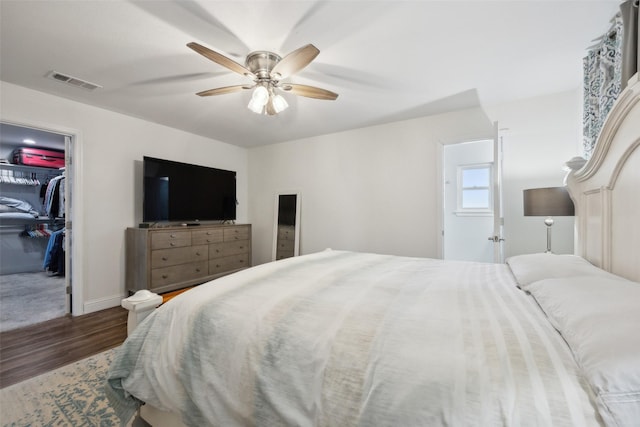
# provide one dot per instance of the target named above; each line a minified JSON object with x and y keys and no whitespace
{"x":178,"y":273}
{"x":236,"y":233}
{"x":228,"y":248}
{"x":228,"y":263}
{"x":175,"y":256}
{"x":236,"y":248}
{"x":170,"y":239}
{"x":203,"y":237}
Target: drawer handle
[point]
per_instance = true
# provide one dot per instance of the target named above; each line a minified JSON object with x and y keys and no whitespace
{"x":218,"y":250}
{"x":241,"y":247}
{"x":172,"y":244}
{"x":173,"y":236}
{"x":197,"y":253}
{"x":164,"y":276}
{"x":197,"y":270}
{"x":208,"y":233}
{"x":164,"y":258}
{"x":241,"y":261}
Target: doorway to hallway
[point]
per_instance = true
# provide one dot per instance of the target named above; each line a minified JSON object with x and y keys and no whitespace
{"x":472,"y":223}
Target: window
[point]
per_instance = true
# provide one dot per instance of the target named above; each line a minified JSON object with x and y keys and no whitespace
{"x":474,"y":189}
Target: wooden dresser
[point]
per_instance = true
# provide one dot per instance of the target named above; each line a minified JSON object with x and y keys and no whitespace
{"x":170,"y":258}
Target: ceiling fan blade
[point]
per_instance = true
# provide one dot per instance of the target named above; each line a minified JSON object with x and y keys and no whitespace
{"x":223,"y":90}
{"x":310,"y":91}
{"x":220,"y":59}
{"x":295,"y":61}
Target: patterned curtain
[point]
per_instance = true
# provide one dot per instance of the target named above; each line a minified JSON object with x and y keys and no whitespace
{"x":602,"y":83}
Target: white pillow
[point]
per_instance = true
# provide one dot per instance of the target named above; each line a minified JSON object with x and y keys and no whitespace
{"x":533,"y":267}
{"x":599,"y":318}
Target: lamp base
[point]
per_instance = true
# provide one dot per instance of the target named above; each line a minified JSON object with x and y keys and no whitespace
{"x":548,"y":222}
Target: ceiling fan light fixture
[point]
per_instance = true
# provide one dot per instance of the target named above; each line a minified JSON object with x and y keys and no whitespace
{"x":259,"y":99}
{"x":255,"y":106}
{"x":267,"y":69}
{"x":260,"y":95}
{"x":279,"y":103}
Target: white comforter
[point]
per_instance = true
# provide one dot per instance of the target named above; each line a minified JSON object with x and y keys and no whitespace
{"x":345,"y":339}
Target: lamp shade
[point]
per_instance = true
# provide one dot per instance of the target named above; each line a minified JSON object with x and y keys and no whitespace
{"x":552,"y":201}
{"x":255,"y":105}
{"x":279,"y":103}
{"x":259,"y":99}
{"x":260,"y":95}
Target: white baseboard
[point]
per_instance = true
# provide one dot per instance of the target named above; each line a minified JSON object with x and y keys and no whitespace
{"x":102,"y":303}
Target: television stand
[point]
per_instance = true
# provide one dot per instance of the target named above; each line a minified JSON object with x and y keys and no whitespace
{"x":165,"y":259}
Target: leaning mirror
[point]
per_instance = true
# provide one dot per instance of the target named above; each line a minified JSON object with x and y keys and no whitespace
{"x":286,"y":232}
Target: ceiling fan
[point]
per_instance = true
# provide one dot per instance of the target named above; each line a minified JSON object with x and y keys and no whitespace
{"x":267,"y":70}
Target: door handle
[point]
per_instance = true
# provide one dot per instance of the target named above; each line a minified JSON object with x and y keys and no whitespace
{"x":495,"y":239}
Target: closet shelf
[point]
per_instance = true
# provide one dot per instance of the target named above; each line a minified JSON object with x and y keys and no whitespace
{"x":25,"y":168}
{"x":9,"y":221}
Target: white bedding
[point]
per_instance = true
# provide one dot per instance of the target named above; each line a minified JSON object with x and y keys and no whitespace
{"x":345,"y":339}
{"x":531,"y":268}
{"x":600,"y":320}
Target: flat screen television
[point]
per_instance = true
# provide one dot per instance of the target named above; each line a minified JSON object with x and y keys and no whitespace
{"x":174,"y":191}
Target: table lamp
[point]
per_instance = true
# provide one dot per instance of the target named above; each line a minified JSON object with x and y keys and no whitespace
{"x":549,"y":202}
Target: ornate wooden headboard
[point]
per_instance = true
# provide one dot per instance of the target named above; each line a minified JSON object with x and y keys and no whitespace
{"x":606,"y":191}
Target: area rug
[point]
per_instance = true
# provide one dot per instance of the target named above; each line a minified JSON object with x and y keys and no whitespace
{"x":69,"y":396}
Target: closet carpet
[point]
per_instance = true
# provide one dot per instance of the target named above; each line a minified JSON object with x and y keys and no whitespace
{"x":29,"y":298}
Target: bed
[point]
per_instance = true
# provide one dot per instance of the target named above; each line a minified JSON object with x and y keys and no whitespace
{"x":341,"y":338}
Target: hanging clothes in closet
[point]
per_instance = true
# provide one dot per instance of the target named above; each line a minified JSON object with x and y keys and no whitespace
{"x":54,"y":197}
{"x":54,"y":259}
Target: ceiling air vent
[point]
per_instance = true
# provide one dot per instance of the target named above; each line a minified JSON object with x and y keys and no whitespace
{"x":73,"y":81}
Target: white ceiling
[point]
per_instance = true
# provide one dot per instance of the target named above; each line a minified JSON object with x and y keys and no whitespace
{"x":388,"y":60}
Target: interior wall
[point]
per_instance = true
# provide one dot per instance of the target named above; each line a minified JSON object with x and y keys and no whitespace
{"x":112,"y":147}
{"x":373,"y":189}
{"x":376,"y":189}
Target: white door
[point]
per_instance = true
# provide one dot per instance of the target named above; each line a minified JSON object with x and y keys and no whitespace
{"x":498,"y":217}
{"x":472,"y":219}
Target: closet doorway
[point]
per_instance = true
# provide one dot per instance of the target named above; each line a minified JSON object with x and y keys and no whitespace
{"x":35,"y":211}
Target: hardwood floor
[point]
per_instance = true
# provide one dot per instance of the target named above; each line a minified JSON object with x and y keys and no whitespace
{"x":33,"y":350}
